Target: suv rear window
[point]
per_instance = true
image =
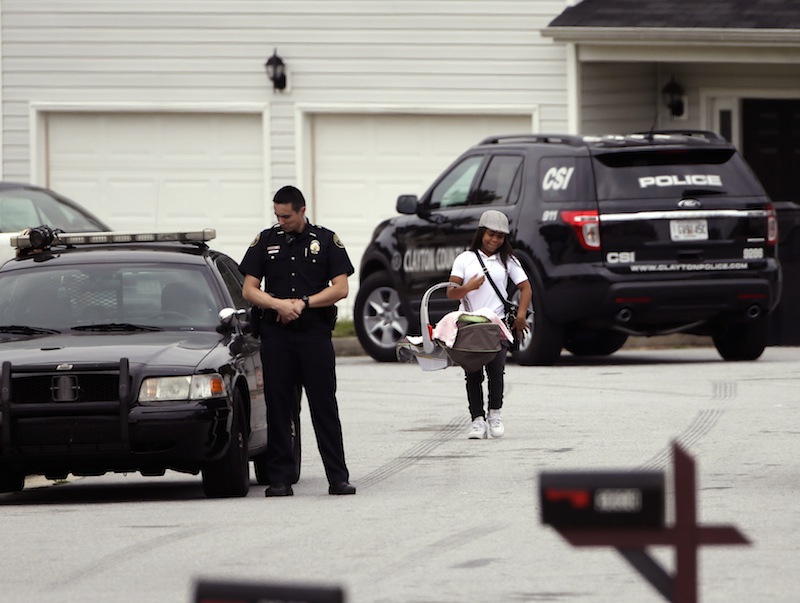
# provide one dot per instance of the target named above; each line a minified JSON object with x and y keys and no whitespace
{"x":673,"y":173}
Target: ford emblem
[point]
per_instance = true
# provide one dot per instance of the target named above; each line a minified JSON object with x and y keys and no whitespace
{"x":64,"y":367}
{"x":689,"y":203}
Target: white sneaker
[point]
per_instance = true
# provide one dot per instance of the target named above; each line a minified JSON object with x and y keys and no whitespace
{"x":496,"y":427}
{"x":478,"y":429}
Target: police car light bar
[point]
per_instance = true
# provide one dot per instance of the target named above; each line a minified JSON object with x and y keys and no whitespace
{"x":23,"y":241}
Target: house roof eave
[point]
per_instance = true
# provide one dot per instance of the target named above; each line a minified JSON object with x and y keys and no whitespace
{"x":659,"y":35}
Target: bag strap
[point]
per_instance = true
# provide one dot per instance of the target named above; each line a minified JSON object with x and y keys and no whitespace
{"x":502,"y":297}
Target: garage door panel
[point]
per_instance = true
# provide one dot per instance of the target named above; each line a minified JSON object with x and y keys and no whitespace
{"x":164,"y":171}
{"x":362,"y":163}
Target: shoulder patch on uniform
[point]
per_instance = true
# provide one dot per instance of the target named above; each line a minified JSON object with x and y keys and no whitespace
{"x":337,"y":241}
{"x":256,"y":240}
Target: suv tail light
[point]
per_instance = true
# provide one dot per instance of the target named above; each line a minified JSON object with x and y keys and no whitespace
{"x":772,"y":225}
{"x":586,"y":225}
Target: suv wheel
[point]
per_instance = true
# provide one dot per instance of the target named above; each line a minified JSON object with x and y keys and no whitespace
{"x":595,"y":343}
{"x":230,"y":474}
{"x":379,"y":319}
{"x":11,"y":481}
{"x":543,"y":346}
{"x":741,"y":341}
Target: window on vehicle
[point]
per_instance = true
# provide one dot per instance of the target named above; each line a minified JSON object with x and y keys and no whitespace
{"x":20,"y":209}
{"x":233,"y":281}
{"x":166,"y":296}
{"x":453,"y":189}
{"x":674,"y":173}
{"x":500,"y":183}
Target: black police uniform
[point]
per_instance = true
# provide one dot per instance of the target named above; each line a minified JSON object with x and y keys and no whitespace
{"x":300,"y":352}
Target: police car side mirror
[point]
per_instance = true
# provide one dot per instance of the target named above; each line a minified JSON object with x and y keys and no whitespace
{"x":225,"y":317}
{"x":407,"y":204}
{"x":604,"y":499}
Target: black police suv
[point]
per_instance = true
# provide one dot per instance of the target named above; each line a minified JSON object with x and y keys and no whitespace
{"x":641,"y":234}
{"x":123,"y":352}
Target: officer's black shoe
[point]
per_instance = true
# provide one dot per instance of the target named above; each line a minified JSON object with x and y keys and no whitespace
{"x":342,"y":488}
{"x":278,"y":490}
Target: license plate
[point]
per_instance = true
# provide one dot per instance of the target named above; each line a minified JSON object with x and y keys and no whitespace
{"x":688,"y":230}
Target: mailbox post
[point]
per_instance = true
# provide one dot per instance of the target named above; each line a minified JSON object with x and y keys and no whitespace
{"x":626,"y":511}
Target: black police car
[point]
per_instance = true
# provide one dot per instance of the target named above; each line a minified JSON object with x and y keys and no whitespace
{"x":641,"y":234}
{"x":128,"y":352}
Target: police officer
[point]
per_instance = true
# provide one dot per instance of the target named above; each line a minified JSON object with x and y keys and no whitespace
{"x":305,"y":269}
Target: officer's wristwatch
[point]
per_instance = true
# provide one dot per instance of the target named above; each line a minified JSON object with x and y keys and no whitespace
{"x":305,"y":301}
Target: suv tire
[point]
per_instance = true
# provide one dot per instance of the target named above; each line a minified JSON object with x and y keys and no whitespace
{"x":543,"y":346}
{"x":11,"y":481}
{"x":379,"y":318}
{"x":742,"y":341}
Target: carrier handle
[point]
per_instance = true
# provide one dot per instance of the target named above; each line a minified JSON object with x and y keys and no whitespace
{"x":427,"y":343}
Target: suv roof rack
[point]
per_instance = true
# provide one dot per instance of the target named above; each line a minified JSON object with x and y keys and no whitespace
{"x":704,"y":134}
{"x":72,"y":239}
{"x":542,"y":138}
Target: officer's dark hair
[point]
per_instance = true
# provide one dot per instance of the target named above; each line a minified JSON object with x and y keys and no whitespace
{"x":290,"y":194}
{"x":505,"y":250}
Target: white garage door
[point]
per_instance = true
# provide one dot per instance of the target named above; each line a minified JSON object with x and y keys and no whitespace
{"x":164,"y":171}
{"x":363,"y":162}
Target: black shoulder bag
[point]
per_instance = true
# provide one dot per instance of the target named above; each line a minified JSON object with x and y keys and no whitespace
{"x":510,"y":308}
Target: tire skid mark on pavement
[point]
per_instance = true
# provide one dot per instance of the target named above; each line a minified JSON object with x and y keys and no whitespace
{"x":107,"y":562}
{"x":418,"y":556}
{"x":703,"y":422}
{"x":415,"y":453}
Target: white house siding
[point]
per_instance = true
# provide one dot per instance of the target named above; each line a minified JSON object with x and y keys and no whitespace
{"x":618,"y":97}
{"x":429,"y":57}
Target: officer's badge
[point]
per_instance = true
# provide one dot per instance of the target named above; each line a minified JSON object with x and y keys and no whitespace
{"x":314,"y":247}
{"x":338,"y":241}
{"x":255,"y":241}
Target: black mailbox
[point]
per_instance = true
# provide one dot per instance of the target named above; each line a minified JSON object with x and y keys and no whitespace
{"x":602,"y":499}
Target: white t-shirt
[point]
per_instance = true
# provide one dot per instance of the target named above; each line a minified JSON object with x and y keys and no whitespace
{"x":466,"y":265}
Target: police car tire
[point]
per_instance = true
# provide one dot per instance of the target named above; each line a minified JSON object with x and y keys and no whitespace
{"x":11,"y":481}
{"x":742,"y":341}
{"x":260,"y":460}
{"x":545,"y":339}
{"x":229,"y":475}
{"x":601,"y":342}
{"x":379,"y":334}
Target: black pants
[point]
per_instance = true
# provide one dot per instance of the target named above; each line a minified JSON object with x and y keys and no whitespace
{"x":495,"y":370}
{"x":291,"y":357}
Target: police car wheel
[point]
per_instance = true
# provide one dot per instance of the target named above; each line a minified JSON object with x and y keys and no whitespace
{"x":230,"y":474}
{"x":260,"y":463}
{"x":742,"y":341}
{"x":378,"y":316}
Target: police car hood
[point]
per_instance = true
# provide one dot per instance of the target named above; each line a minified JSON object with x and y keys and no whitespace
{"x":162,"y":348}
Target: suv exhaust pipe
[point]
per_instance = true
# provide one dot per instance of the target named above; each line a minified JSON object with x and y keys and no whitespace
{"x":624,"y":316}
{"x":753,"y":311}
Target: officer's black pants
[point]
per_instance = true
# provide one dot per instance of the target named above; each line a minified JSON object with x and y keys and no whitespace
{"x":306,"y":357}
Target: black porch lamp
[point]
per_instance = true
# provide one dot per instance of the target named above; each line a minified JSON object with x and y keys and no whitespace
{"x":672,"y":94}
{"x":276,"y":71}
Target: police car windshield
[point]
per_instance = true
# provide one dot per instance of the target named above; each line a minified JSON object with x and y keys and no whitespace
{"x":673,"y":174}
{"x":133,"y":297}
